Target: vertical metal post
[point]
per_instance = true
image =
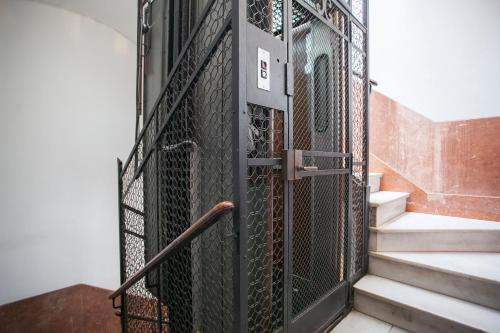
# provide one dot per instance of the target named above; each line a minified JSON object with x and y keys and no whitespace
{"x":159,"y":280}
{"x":176,"y":30}
{"x":240,"y":134}
{"x":349,"y":276}
{"x":121,"y":240}
{"x":288,"y":185}
{"x":367,"y":145}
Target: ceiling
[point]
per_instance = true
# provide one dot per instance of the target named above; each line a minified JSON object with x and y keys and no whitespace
{"x":119,"y":15}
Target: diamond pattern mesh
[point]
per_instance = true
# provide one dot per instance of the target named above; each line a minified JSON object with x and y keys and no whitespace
{"x":320,"y":123}
{"x":180,"y":168}
{"x":265,"y":222}
{"x":182,"y":163}
{"x":359,"y":148}
{"x":266,"y":15}
{"x":359,"y":10}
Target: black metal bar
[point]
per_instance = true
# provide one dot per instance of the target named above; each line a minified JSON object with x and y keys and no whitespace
{"x":139,"y":73}
{"x":348,"y":268}
{"x":358,"y":23}
{"x":317,"y":153}
{"x":132,"y":209}
{"x":240,"y":135}
{"x":159,"y":232}
{"x":121,"y":240}
{"x":264,"y":161}
{"x":367,"y":149}
{"x":322,"y":19}
{"x":177,"y":30}
{"x":324,"y":172}
{"x":288,"y":185}
{"x":203,"y":223}
{"x":133,"y":233}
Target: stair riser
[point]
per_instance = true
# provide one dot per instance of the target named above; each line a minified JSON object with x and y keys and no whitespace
{"x":447,"y":241}
{"x":414,"y":320}
{"x":473,"y":290}
{"x":383,"y":213}
{"x":374,"y":182}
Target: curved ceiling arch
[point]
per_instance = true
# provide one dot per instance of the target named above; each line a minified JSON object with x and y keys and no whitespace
{"x":120,"y":15}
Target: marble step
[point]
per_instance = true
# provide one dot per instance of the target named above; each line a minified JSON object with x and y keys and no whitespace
{"x":386,"y":205}
{"x":374,"y":181}
{"x":419,"y":310}
{"x":473,"y":277}
{"x":357,"y":322}
{"x":415,"y":232}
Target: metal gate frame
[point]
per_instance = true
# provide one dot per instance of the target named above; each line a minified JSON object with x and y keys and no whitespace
{"x":247,"y":101}
{"x":248,"y":93}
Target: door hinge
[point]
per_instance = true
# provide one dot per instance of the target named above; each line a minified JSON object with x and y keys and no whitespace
{"x":289,"y":79}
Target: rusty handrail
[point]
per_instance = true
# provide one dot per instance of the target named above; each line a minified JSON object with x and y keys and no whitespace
{"x":194,"y":230}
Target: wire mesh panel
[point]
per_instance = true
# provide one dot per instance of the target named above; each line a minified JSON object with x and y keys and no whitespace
{"x":319,"y":238}
{"x":195,"y":173}
{"x":266,"y":15}
{"x":320,"y":123}
{"x":359,"y":96}
{"x":265,"y":223}
{"x":298,"y":236}
{"x":181,"y":167}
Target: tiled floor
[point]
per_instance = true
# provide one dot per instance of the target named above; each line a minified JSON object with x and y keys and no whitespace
{"x":356,"y":322}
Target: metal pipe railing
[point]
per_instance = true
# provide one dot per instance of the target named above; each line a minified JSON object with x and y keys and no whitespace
{"x":203,"y":223}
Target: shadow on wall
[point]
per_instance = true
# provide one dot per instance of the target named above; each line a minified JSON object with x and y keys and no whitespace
{"x":450,"y":168}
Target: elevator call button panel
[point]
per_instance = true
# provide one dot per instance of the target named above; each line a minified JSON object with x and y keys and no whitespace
{"x":263,"y":69}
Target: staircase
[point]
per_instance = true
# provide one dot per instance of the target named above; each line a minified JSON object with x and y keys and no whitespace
{"x":429,"y":273}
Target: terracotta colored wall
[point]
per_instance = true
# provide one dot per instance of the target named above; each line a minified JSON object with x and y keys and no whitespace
{"x":470,"y":153}
{"x":450,"y":168}
{"x":80,"y":308}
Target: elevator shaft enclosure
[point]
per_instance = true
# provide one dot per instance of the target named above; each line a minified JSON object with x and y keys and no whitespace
{"x":263,"y":103}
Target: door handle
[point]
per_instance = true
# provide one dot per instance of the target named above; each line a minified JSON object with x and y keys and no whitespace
{"x":294,"y":168}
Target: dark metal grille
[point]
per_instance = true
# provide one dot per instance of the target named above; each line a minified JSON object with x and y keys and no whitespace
{"x":327,"y":9}
{"x":314,"y":40}
{"x":319,"y":238}
{"x":265,"y":221}
{"x":298,"y":232}
{"x":180,"y":167}
{"x":266,"y":15}
{"x":359,"y":10}
{"x":320,"y":123}
{"x":359,"y":96}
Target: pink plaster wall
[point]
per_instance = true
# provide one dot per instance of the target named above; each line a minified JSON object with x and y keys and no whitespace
{"x":454,"y":166}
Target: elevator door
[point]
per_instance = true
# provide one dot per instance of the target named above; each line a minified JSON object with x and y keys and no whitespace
{"x":319,"y":188}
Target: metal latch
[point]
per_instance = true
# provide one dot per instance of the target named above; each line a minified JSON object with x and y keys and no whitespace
{"x":295,"y":168}
{"x":294,"y":164}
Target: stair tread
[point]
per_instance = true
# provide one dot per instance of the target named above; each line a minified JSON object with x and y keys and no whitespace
{"x":382,"y":197}
{"x":476,"y":265}
{"x":429,"y":222}
{"x":360,"y":323}
{"x":376,"y":174}
{"x":453,"y":309}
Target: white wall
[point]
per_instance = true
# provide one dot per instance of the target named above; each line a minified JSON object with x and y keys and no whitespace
{"x":440,"y":58}
{"x":67,"y":92}
{"x":120,"y":15}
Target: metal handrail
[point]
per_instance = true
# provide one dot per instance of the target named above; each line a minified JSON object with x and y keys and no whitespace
{"x":192,"y":232}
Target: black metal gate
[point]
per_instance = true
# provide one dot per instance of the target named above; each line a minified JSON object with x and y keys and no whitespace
{"x":258,"y":108}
